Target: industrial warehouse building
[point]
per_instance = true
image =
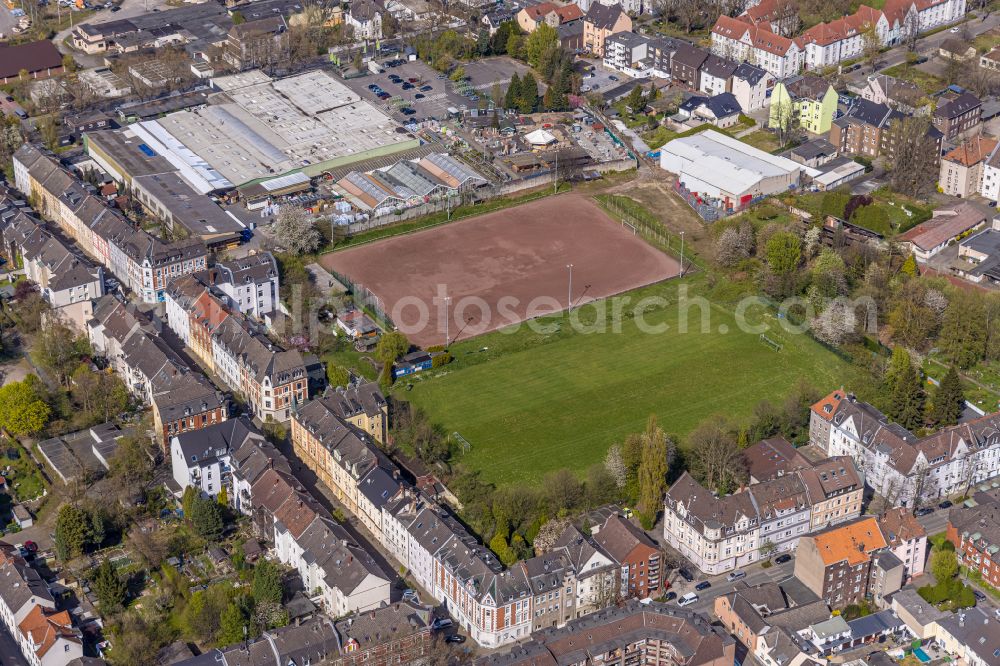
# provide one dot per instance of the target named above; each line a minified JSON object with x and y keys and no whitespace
{"x":717,"y":167}
{"x":255,"y":128}
{"x":408,"y":182}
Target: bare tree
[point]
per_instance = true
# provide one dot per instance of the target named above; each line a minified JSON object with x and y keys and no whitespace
{"x":717,"y":456}
{"x":910,"y":30}
{"x":914,"y":160}
{"x":871,"y":46}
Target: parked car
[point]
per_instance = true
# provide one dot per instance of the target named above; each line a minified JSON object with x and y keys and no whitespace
{"x":669,"y":596}
{"x":685,"y":574}
{"x":945,"y":504}
{"x":736,"y":575}
{"x":419,"y":96}
{"x":703,"y":585}
{"x":455,"y":638}
{"x":31,"y":546}
{"x":612,"y":78}
{"x":924,"y":511}
{"x":441,"y":623}
{"x":688,"y":599}
{"x":784,"y":557}
{"x":425,"y":88}
{"x":980,"y":597}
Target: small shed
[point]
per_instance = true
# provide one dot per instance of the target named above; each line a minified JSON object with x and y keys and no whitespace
{"x":22,"y":516}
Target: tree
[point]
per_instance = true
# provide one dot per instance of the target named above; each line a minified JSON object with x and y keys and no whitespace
{"x":909,"y":268}
{"x":513,"y":92}
{"x":206,"y":518}
{"x":295,"y":230}
{"x":111,"y":590}
{"x":906,"y":405}
{"x":503,"y":551}
{"x":949,"y":400}
{"x":652,"y":472}
{"x":23,"y":411}
{"x":718,"y":460}
{"x":266,"y":585}
{"x":390,"y":347}
{"x":337,"y":375}
{"x":914,"y":160}
{"x":615,"y":465}
{"x":636,"y":101}
{"x":944,"y":565}
{"x":72,"y":532}
{"x":768,"y":549}
{"x":871,"y":45}
{"x":232,"y":624}
{"x":734,"y":245}
{"x":528,"y":99}
{"x":543,"y":38}
{"x":783,"y":251}
{"x":59,"y":349}
{"x":131,"y":466}
{"x":963,"y":330}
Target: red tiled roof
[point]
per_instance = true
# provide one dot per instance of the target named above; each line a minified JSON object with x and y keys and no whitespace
{"x":973,"y":151}
{"x":945,"y":225}
{"x":842,"y":28}
{"x":569,"y":13}
{"x":44,"y":629}
{"x":760,"y":36}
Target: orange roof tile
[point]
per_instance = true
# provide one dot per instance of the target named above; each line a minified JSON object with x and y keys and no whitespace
{"x":853,"y":542}
{"x":569,"y":13}
{"x":973,"y":151}
{"x":44,"y":629}
{"x":827,"y":407}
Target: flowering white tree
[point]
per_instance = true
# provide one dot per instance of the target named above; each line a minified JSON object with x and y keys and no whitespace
{"x":295,"y":231}
{"x":615,"y":464}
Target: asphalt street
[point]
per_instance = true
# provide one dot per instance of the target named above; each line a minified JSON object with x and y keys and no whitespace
{"x":755,"y":575}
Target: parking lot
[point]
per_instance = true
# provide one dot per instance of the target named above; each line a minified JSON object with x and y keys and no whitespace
{"x":415,"y":85}
{"x":600,"y":79}
{"x":7,"y":21}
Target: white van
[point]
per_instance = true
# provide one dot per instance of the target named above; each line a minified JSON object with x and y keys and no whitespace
{"x":735,"y":575}
{"x":688,"y":599}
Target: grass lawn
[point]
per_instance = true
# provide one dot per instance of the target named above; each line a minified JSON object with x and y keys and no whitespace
{"x":762,"y":140}
{"x":531,"y":402}
{"x":352,"y":360}
{"x":986,"y":395}
{"x":26,"y":480}
{"x":924,"y":80}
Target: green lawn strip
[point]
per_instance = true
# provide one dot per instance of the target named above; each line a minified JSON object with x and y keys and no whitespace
{"x":530,"y":403}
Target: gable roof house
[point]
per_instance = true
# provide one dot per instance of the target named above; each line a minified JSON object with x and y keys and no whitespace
{"x":741,"y":39}
{"x":716,"y":75}
{"x":203,"y":458}
{"x":963,"y":168}
{"x":928,"y":238}
{"x":899,"y":94}
{"x":721,"y":110}
{"x":809,"y":102}
{"x":686,"y":63}
{"x":750,"y":84}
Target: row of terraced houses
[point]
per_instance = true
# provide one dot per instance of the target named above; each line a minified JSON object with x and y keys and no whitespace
{"x":760,"y":34}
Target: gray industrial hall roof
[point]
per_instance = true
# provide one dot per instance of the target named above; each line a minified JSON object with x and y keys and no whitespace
{"x":194,"y":211}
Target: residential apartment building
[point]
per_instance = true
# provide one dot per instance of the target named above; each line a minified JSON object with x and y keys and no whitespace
{"x":340,"y":453}
{"x":897,"y":464}
{"x":991,"y":175}
{"x":629,"y":53}
{"x":529,"y":18}
{"x":963,"y":168}
{"x":849,"y":563}
{"x":202,"y":458}
{"x":957,"y":113}
{"x":686,"y":63}
{"x":652,"y":634}
{"x":142,"y":263}
{"x":63,"y":277}
{"x":259,"y":43}
{"x":717,"y":75}
{"x":974,"y":530}
{"x":181,"y":399}
{"x":907,"y":539}
{"x":809,"y":102}
{"x":719,"y":534}
{"x":971,"y":636}
{"x":767,"y":619}
{"x":638,"y":558}
{"x":860,"y":131}
{"x":602,"y":21}
{"x":250,"y":283}
{"x":827,"y":44}
{"x":750,"y":86}
{"x":273,"y":380}
{"x":739,"y":39}
{"x":898,"y":94}
{"x":46,"y":637}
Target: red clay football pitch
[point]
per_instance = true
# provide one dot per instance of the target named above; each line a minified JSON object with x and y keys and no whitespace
{"x":502,"y":268}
